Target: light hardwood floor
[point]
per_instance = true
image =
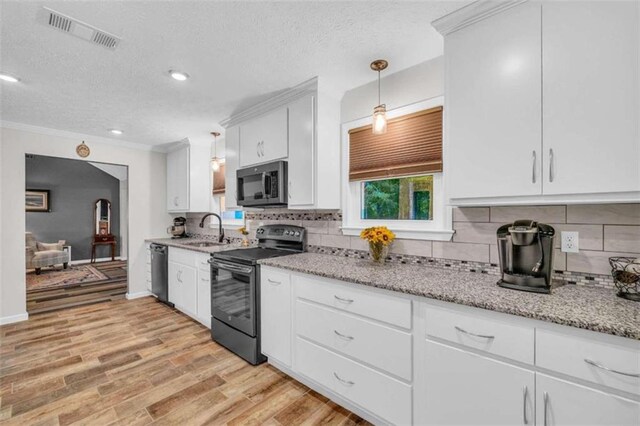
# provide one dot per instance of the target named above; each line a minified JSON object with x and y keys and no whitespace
{"x":140,"y":362}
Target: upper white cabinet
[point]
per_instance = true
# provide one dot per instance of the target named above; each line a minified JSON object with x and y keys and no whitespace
{"x":493,"y":106}
{"x":188,"y":178}
{"x":264,"y":138}
{"x":591,"y":111}
{"x":300,"y":126}
{"x":542,"y":102}
{"x":232,"y":149}
{"x":301,"y":183}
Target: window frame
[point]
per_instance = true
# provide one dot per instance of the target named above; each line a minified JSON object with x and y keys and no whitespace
{"x":439,"y":228}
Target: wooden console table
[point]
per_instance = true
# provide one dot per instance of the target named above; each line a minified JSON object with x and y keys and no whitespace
{"x":101,"y":240}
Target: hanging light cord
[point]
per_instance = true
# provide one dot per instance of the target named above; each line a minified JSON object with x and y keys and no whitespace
{"x":378,"y":87}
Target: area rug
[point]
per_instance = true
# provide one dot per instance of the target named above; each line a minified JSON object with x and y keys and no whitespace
{"x":74,"y":275}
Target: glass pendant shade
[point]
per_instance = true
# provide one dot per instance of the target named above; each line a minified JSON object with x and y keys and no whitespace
{"x":215,"y":164}
{"x":380,"y":120}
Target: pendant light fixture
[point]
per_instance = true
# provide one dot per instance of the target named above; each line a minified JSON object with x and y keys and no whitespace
{"x":215,"y":161}
{"x":379,"y":112}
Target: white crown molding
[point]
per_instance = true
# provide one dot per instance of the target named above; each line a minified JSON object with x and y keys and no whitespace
{"x":472,"y":13}
{"x":82,"y":136}
{"x":272,"y":103}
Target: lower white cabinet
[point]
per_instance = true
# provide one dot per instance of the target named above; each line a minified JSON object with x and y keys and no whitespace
{"x":275,"y":315}
{"x":464,"y":388}
{"x":563,"y":403}
{"x":190,"y":284}
{"x":384,"y":396}
{"x":400,"y":359}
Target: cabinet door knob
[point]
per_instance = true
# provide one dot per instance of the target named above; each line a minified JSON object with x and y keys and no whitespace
{"x":551,"y":172}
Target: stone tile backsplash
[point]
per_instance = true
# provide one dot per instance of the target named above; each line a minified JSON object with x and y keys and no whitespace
{"x":605,"y":231}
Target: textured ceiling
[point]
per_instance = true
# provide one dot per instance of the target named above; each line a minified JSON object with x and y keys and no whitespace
{"x":236,"y":53}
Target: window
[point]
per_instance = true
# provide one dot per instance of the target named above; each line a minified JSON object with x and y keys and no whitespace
{"x":396,"y":179}
{"x":407,"y":198}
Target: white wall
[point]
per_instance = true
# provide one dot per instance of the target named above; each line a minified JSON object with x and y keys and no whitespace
{"x":420,"y":82}
{"x":147,"y":203}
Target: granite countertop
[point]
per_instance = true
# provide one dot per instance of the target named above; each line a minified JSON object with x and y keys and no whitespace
{"x":180,"y":243}
{"x":589,"y":308}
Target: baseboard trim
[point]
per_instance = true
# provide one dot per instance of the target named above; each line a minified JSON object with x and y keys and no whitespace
{"x":14,"y":318}
{"x":102,"y":259}
{"x":138,"y":295}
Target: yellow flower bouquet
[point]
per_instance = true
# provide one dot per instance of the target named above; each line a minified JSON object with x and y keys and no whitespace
{"x":245,"y":239}
{"x":379,"y":238}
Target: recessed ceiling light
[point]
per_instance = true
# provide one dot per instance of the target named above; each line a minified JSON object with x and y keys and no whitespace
{"x":9,"y":78}
{"x":178,"y":75}
{"x":116,"y":131}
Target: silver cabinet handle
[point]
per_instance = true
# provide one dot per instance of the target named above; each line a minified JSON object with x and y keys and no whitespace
{"x":262,"y":148}
{"x":258,"y":149}
{"x":346,"y":382}
{"x":483,"y":336}
{"x":342,"y":335}
{"x":274,"y":282}
{"x":343,"y":300}
{"x":204,"y":279}
{"x":524,"y":405}
{"x":545,"y":398}
{"x":602,"y":367}
{"x":289,"y":191}
{"x":550,"y":165}
{"x":175,"y":201}
{"x":533,"y":168}
{"x":179,"y":276}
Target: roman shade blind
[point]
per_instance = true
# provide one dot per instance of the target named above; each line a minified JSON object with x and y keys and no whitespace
{"x":412,"y":145}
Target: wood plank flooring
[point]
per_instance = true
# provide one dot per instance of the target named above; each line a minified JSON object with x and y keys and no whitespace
{"x":138,"y":362}
{"x":113,"y":288}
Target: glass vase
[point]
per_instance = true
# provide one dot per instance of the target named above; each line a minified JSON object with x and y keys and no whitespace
{"x":378,"y":252}
{"x":245,"y":241}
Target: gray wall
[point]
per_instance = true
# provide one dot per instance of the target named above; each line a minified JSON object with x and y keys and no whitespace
{"x":75,"y":186}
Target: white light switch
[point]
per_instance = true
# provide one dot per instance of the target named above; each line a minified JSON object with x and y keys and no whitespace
{"x":570,"y":242}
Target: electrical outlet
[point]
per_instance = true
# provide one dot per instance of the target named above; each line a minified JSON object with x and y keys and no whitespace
{"x":570,"y":242}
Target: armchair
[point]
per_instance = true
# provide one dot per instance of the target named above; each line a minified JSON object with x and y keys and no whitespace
{"x":39,"y":255}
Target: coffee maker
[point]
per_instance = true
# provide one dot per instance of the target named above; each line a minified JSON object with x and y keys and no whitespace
{"x":525,"y":249}
{"x":179,"y":228}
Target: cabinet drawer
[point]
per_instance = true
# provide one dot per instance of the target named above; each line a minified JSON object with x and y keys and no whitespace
{"x":377,"y":393}
{"x":185,"y":257}
{"x":570,"y":355}
{"x":496,"y":336}
{"x":376,"y":344}
{"x":368,"y":303}
{"x":202,"y":261}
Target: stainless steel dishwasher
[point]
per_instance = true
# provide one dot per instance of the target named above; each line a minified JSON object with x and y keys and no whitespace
{"x":160,"y":272}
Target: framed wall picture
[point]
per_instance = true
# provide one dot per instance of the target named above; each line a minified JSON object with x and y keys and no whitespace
{"x":38,"y":200}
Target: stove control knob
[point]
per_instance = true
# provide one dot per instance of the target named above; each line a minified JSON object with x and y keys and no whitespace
{"x":297,"y":234}
{"x":286,"y":232}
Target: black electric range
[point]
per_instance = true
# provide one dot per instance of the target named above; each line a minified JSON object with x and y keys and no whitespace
{"x":235,"y":288}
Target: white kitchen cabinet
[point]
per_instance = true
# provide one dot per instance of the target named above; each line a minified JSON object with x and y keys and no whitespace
{"x":203,"y":309}
{"x":232,"y":147}
{"x":301,"y":152}
{"x":559,"y":402}
{"x":178,"y":179}
{"x":300,"y":126}
{"x":464,"y":388}
{"x":188,"y":178}
{"x":275,"y":315}
{"x":493,"y":106}
{"x":591,"y":97}
{"x":182,"y":287}
{"x":264,"y":138}
{"x":542,"y":102}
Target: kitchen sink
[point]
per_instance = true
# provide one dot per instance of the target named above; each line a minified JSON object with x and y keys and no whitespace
{"x":203,"y":244}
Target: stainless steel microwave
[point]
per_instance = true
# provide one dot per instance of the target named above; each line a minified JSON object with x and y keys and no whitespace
{"x":263,"y":185}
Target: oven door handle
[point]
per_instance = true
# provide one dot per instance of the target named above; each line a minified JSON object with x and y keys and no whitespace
{"x":231,"y":267}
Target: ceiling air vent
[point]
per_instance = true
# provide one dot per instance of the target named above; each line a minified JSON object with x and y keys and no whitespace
{"x":78,"y":28}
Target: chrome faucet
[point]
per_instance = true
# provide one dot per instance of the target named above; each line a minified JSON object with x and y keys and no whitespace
{"x":220,"y":229}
